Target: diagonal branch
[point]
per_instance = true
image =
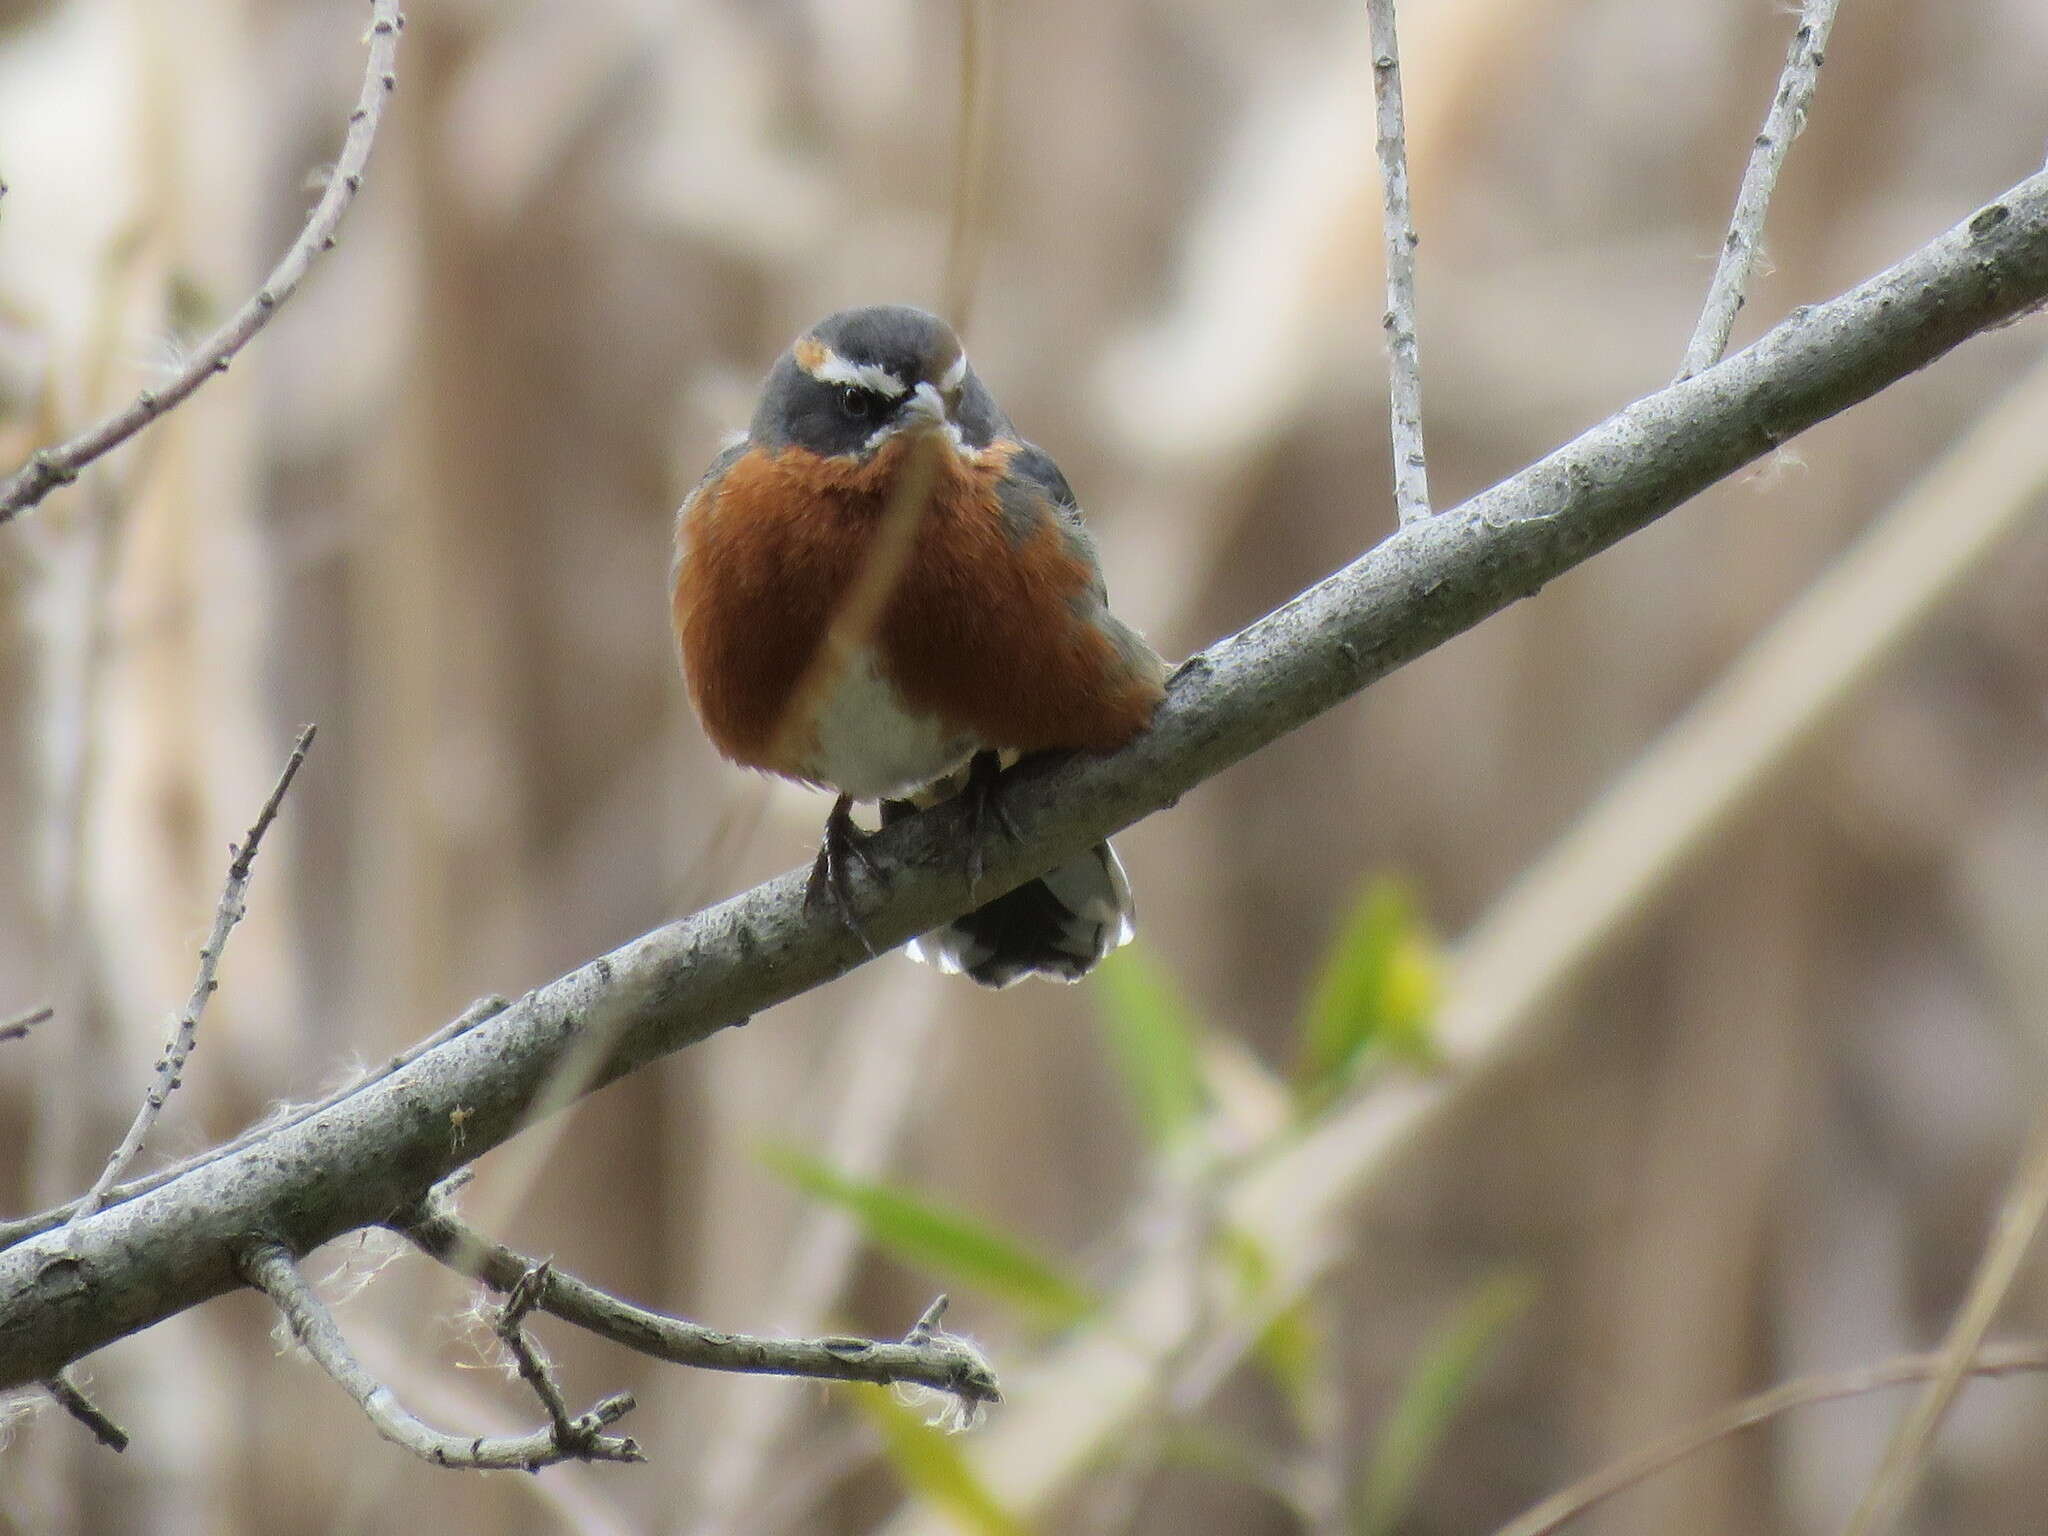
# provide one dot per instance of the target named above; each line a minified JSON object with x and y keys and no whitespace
{"x":927,"y":1356}
{"x":170,"y":1066}
{"x":1786,"y":119}
{"x":2019,"y":1222}
{"x":49,"y":468}
{"x":276,"y":1273}
{"x":73,"y":1401}
{"x":66,"y":1293}
{"x":17,"y":1028}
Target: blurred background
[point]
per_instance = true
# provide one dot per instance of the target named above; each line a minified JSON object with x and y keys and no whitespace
{"x":1758,"y":1125}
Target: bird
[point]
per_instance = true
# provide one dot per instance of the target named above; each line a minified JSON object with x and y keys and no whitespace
{"x":880,"y":589}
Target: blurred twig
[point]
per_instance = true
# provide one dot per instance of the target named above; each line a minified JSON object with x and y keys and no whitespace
{"x":82,"y":1408}
{"x":965,"y":231}
{"x":1411,"y":466}
{"x":873,"y":1078}
{"x":185,"y":1028}
{"x":2019,"y":1221}
{"x":1786,"y":119}
{"x":17,"y":1028}
{"x":276,"y":1273}
{"x":49,"y":468}
{"x":1568,"y":1504}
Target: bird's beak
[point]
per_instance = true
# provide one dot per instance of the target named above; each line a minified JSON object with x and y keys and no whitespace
{"x":924,"y":411}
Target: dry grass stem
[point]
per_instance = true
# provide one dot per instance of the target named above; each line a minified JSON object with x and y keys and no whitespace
{"x":2019,"y":1222}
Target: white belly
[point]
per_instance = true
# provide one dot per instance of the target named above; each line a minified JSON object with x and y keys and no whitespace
{"x":870,"y":746}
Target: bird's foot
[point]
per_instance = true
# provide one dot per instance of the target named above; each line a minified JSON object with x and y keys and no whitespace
{"x":831,"y":882}
{"x":983,"y":794}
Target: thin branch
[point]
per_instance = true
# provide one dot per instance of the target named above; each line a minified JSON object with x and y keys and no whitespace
{"x":65,"y":1294}
{"x":273,"y":1271}
{"x":49,"y":468}
{"x":1411,"y":465}
{"x":533,"y":1369}
{"x":170,"y":1066}
{"x":1782,"y":124}
{"x":927,"y":1356}
{"x":83,"y":1409}
{"x":2019,"y":1222}
{"x":1568,"y":1504}
{"x":17,"y":1028}
{"x":12,"y":1232}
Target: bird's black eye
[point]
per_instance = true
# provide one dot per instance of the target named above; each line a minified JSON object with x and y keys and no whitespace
{"x":857,"y":404}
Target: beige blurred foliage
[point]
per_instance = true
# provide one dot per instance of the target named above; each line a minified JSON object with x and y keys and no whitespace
{"x":430,"y":510}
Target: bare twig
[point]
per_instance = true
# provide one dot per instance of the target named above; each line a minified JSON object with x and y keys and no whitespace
{"x":276,"y":1273}
{"x":927,"y":1356}
{"x":533,"y":1369}
{"x":1411,"y":466}
{"x":1782,"y":124}
{"x":17,"y":1028}
{"x":185,"y":1028}
{"x":83,"y":1409}
{"x":2019,"y":1221}
{"x":49,"y":468}
{"x":1568,"y":1504}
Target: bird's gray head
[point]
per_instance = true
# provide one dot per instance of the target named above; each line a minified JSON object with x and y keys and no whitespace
{"x":862,"y":376}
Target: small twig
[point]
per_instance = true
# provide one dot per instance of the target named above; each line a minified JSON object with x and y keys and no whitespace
{"x":49,"y":468}
{"x":12,"y":1232}
{"x":533,"y":1369}
{"x":1404,"y":365}
{"x":170,"y":1066}
{"x":17,"y":1028}
{"x":2019,"y":1221}
{"x":927,"y":1355}
{"x":83,"y":1409}
{"x":275,"y":1273}
{"x":1568,"y":1504}
{"x":1782,"y":124}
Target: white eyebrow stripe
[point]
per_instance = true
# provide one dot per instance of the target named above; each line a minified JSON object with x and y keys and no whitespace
{"x":953,"y":376}
{"x":834,"y":369}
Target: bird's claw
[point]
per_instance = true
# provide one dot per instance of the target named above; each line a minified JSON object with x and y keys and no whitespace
{"x":831,"y":883}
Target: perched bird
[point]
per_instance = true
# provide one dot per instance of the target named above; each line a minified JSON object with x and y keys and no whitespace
{"x":881,"y":584}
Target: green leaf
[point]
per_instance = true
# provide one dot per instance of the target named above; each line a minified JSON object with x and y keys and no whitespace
{"x":1291,"y":1350}
{"x":962,"y":1251}
{"x":1289,"y":1347}
{"x":1156,"y":1044}
{"x":1378,"y":989}
{"x":929,"y":1462}
{"x":1437,"y":1384}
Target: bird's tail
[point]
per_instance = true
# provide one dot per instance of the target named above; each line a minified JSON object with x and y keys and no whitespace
{"x":1057,"y":926}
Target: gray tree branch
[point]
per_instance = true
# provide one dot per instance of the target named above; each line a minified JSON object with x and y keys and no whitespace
{"x":67,"y":1291}
{"x":274,"y":1272}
